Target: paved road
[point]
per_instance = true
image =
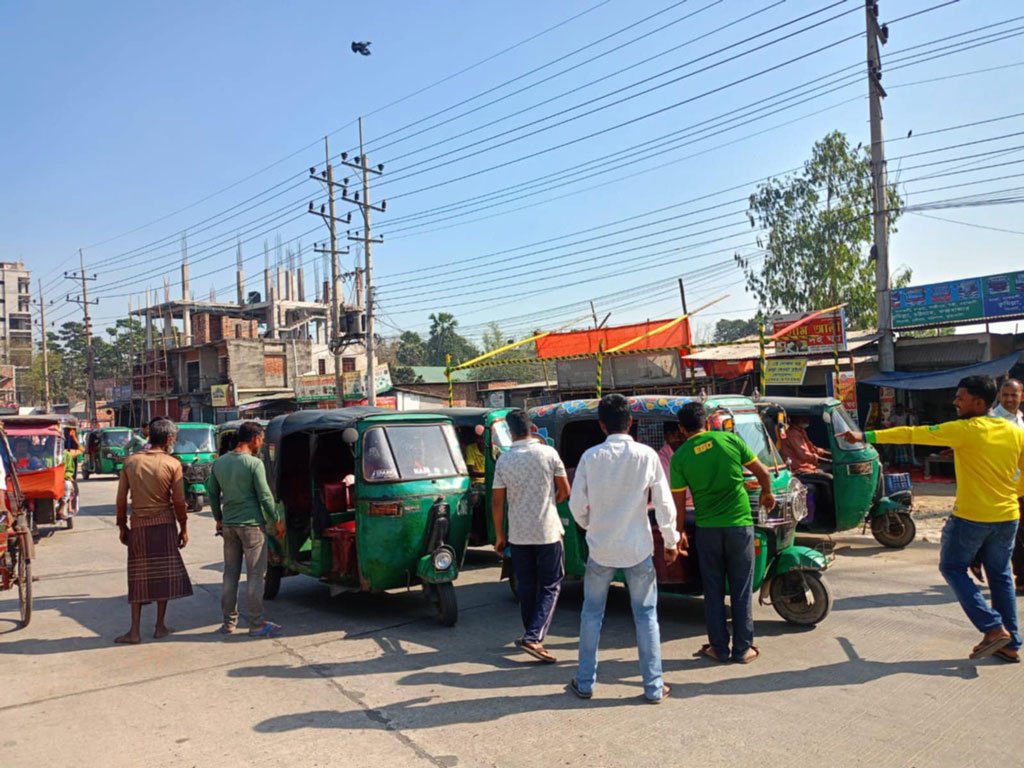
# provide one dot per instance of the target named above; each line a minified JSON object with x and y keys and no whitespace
{"x":370,"y":681}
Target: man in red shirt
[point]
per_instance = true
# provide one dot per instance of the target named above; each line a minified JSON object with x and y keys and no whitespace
{"x":804,"y":459}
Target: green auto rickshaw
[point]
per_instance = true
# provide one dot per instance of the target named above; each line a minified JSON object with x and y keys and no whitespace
{"x":474,"y":426}
{"x":195,"y":448}
{"x":105,"y":451}
{"x":227,"y":434}
{"x":368,"y":500}
{"x":860,"y":494}
{"x":788,"y":576}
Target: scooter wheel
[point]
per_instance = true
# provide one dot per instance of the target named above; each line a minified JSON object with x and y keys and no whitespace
{"x":895,"y":531}
{"x":789,"y":596}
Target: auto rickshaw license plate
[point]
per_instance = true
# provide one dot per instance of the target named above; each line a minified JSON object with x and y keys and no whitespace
{"x":385,"y":509}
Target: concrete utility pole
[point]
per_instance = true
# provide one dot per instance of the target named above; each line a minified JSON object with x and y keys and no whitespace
{"x":362,"y":164}
{"x":46,"y":356}
{"x":880,"y":249}
{"x":90,"y":368}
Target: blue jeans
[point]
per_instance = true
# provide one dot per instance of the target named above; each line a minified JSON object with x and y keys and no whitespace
{"x":992,"y":544}
{"x":728,"y":553}
{"x":643,"y":599}
{"x":539,"y":570}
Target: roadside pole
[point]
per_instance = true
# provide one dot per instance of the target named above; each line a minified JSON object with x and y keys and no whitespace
{"x":90,"y":368}
{"x":46,"y":356}
{"x":880,"y":216}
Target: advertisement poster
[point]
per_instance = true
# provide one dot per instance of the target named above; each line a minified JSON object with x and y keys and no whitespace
{"x":975,"y":299}
{"x":844,"y":388}
{"x":220,"y":395}
{"x":355,"y":382}
{"x":785,"y":372}
{"x":320,"y":388}
{"x":818,"y":336}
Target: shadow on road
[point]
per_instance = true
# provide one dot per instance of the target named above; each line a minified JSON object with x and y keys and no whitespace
{"x":938,"y":594}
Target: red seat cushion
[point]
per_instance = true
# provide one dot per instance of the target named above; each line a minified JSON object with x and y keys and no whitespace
{"x":337,"y":497}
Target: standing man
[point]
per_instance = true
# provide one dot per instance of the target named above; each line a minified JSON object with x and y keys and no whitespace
{"x":1008,"y":408}
{"x":609,"y":499}
{"x":988,"y":456}
{"x":532,"y":477}
{"x":156,"y":572}
{"x":710,"y":465}
{"x":239,"y":477}
{"x":673,"y":439}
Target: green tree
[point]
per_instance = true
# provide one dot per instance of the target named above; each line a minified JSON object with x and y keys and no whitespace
{"x":445,"y":340}
{"x":819,"y":235}
{"x":730,"y":330}
{"x":410,"y":349}
{"x":494,"y":339}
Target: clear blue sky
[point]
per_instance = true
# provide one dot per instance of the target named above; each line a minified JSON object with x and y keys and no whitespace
{"x":118,"y":114}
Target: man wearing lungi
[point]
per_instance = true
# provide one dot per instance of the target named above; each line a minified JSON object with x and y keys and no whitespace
{"x":156,"y":530}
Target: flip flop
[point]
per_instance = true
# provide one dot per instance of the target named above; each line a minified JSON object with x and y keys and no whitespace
{"x":1004,"y":655}
{"x":666,"y":691}
{"x":708,"y":652}
{"x":748,"y":659}
{"x":989,"y":647}
{"x":268,"y":629}
{"x":575,"y":688}
{"x":537,"y":651}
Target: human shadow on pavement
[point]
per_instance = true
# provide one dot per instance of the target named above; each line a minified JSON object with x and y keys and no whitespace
{"x":938,"y":594}
{"x":854,"y":671}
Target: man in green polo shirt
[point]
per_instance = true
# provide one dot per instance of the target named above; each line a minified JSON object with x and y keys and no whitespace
{"x":711,"y":466}
{"x":247,"y":504}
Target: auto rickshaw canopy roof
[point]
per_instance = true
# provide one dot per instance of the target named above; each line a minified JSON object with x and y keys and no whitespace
{"x":43,"y":422}
{"x":804,"y":406}
{"x":641,"y":407}
{"x":464,"y":416}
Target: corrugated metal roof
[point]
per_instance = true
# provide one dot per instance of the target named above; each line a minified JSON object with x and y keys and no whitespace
{"x":752,"y":350}
{"x":943,"y":352}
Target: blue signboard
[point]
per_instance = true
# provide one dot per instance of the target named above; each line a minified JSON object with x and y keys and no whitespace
{"x":959,"y":302}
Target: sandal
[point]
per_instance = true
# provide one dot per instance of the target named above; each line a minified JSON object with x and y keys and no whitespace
{"x":1010,"y":657}
{"x":575,"y":688}
{"x":666,"y":691}
{"x":707,"y":651}
{"x":989,"y":647}
{"x":536,"y":650}
{"x":747,"y":657}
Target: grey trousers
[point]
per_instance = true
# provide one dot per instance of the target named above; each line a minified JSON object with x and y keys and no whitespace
{"x":250,"y":543}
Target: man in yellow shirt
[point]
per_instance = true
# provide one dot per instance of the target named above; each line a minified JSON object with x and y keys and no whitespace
{"x":989,"y":457}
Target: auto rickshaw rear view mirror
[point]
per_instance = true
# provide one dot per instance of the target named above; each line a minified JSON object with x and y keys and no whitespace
{"x":350,"y":436}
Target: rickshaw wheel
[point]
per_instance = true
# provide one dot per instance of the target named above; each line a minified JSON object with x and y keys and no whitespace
{"x":789,"y":601}
{"x":442,"y":597}
{"x":895,"y":531}
{"x":24,"y":585}
{"x":272,"y":582}
{"x":69,"y":523}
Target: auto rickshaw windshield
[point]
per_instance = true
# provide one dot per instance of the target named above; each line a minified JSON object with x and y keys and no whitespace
{"x":410,"y":452}
{"x":501,"y":438}
{"x":194,"y":440}
{"x":751,"y":430}
{"x":115,"y":439}
{"x":841,"y":424}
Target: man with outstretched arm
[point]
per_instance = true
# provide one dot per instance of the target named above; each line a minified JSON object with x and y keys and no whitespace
{"x":988,"y":457}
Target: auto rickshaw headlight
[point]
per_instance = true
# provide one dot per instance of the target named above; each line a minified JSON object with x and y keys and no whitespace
{"x":797,"y":493}
{"x":443,"y":558}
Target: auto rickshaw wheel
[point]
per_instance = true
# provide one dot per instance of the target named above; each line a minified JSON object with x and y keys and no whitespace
{"x":272,"y":582}
{"x":442,"y":597}
{"x":789,"y":596}
{"x":24,"y":584}
{"x":894,"y":530}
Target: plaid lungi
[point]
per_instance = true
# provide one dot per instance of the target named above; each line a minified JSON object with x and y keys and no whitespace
{"x":155,"y":568}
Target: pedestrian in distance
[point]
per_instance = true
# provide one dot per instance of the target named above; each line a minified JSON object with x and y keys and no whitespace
{"x":531,"y":477}
{"x":988,"y":458}
{"x":156,"y":529}
{"x":609,"y":499}
{"x":711,"y":464}
{"x":241,"y":503}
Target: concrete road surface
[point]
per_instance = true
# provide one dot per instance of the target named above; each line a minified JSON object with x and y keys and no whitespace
{"x":361,"y":680}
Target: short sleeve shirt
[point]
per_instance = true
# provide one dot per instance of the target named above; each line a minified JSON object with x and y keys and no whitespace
{"x":711,"y":465}
{"x":527,"y":472}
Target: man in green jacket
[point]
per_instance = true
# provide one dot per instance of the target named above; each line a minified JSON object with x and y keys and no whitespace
{"x":242,"y":503}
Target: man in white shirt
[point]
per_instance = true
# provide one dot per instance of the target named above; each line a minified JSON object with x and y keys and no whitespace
{"x":532,"y":477}
{"x":609,"y":499}
{"x":1008,"y":408}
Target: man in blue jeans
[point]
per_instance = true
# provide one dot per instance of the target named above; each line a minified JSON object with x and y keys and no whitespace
{"x":711,"y":465}
{"x":988,"y":454}
{"x":609,"y":499}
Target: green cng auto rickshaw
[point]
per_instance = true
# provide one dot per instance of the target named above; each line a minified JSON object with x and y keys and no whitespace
{"x":476,"y":426}
{"x":858,"y":489}
{"x":105,"y":451}
{"x":227,"y":434}
{"x":195,"y":448}
{"x":368,"y":500}
{"x":789,"y":577}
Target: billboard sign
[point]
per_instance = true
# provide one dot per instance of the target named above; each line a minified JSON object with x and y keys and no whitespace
{"x":785,"y":372}
{"x":316,"y":388}
{"x":959,"y":302}
{"x":818,"y":336}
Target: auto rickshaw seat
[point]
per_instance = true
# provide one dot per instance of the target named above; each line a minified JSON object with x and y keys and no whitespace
{"x":337,"y":497}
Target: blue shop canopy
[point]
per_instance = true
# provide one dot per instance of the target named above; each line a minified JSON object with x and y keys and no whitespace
{"x":946,"y":379}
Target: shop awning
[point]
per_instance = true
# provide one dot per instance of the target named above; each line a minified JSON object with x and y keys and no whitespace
{"x":944,"y":379}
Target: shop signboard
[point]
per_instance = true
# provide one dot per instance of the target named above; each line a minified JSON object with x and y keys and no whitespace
{"x":785,"y":371}
{"x":354,"y":383}
{"x":959,"y":302}
{"x":823,"y":334}
{"x":844,"y":389}
{"x":317,"y":388}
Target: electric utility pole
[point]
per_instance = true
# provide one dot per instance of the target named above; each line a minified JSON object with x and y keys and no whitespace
{"x":362,"y":164}
{"x":90,"y":368}
{"x":334,"y":342}
{"x":46,"y":356}
{"x":880,"y":250}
